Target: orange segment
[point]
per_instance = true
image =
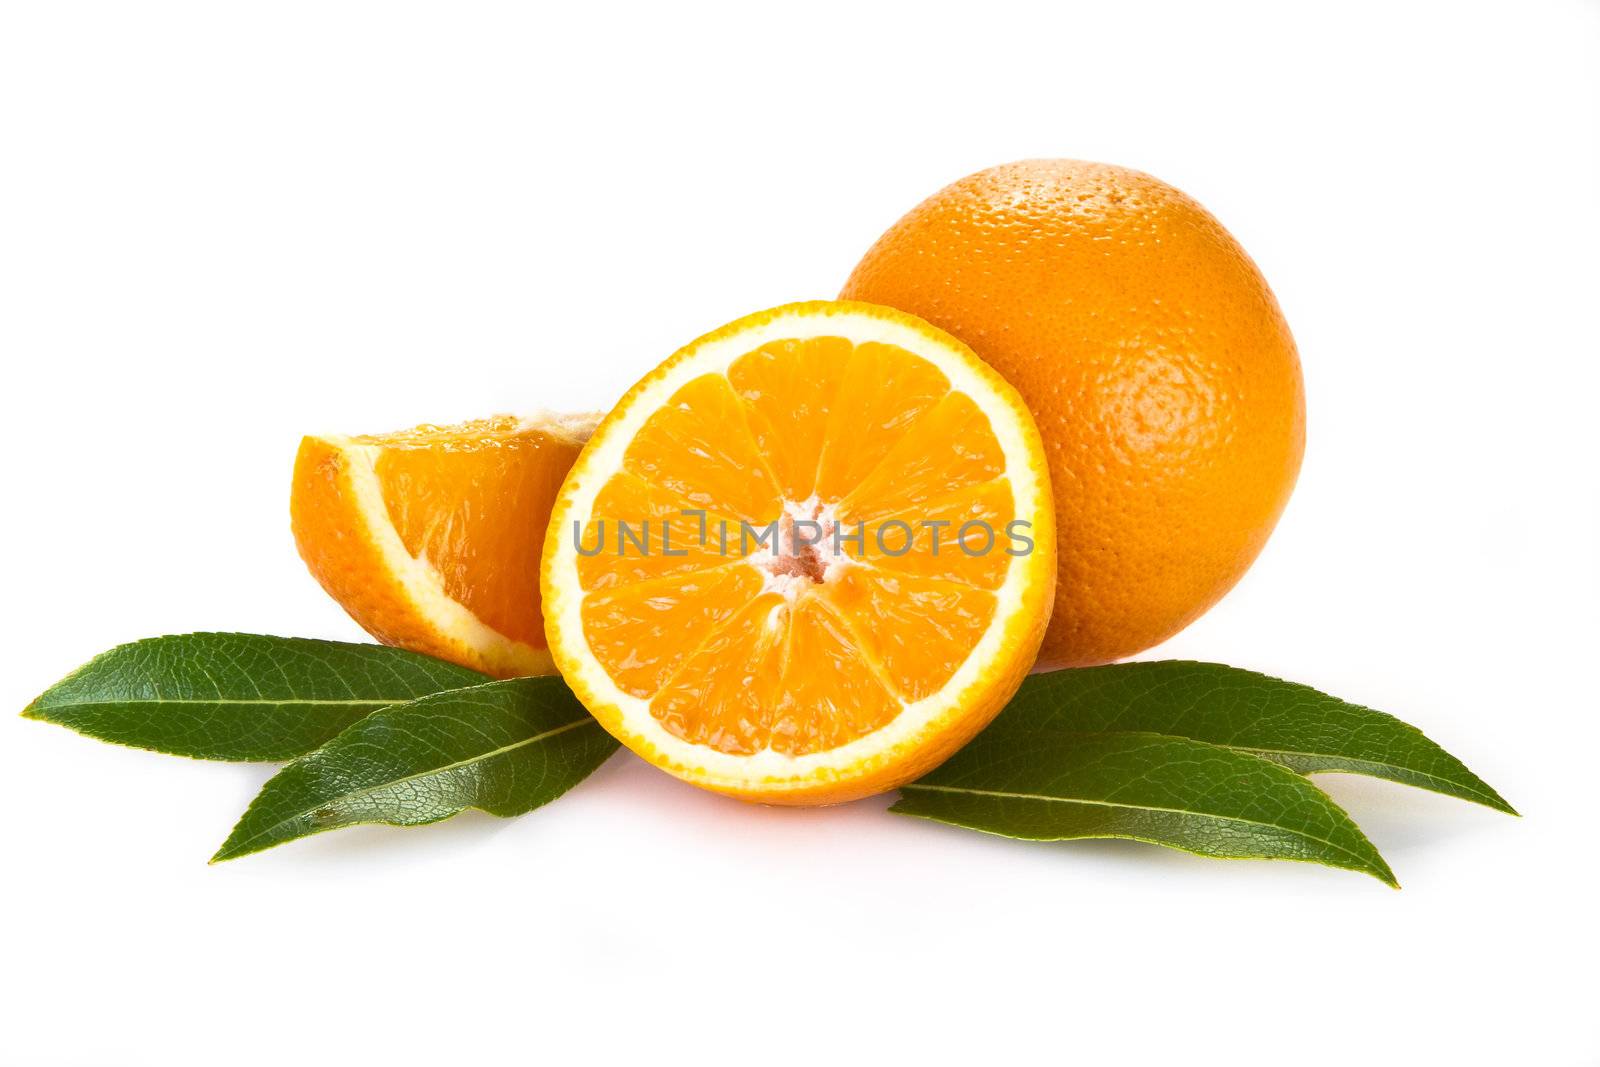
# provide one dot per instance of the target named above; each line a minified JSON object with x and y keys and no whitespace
{"x":949,"y":537}
{"x":642,"y":633}
{"x":638,"y":531}
{"x":726,"y":691}
{"x":831,"y":694}
{"x":803,"y":670}
{"x":428,"y":537}
{"x":919,"y":630}
{"x":790,"y":386}
{"x":883,"y":393}
{"x":949,"y":448}
{"x":468,"y":500}
{"x":699,"y":447}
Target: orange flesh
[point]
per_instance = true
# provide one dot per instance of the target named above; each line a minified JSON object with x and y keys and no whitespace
{"x":473,"y":501}
{"x":802,"y":649}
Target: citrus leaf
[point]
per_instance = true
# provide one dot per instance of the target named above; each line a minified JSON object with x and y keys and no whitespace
{"x":1170,"y":791}
{"x":503,"y":747}
{"x":1295,"y":725}
{"x":238,"y":696}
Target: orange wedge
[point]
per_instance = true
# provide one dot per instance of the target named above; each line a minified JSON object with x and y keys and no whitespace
{"x":753,"y":575}
{"x":430,"y":537}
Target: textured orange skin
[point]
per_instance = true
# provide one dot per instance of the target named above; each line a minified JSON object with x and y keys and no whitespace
{"x":1155,"y":360}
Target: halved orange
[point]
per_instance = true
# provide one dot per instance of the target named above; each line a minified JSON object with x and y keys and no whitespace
{"x":745,"y":579}
{"x":430,"y":537}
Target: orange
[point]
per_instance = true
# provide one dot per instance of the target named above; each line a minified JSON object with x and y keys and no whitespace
{"x":743,"y":580}
{"x":430,"y":537}
{"x":1155,"y":359}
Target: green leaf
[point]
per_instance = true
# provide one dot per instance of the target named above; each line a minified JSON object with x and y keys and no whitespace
{"x":238,"y":696}
{"x":1295,"y":725}
{"x":505,"y":747}
{"x":1147,"y":787}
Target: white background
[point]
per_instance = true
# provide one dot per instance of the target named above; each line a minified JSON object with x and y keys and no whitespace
{"x":224,"y":225}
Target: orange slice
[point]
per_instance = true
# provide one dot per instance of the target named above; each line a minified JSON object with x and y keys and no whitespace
{"x":430,"y":537}
{"x":805,"y":559}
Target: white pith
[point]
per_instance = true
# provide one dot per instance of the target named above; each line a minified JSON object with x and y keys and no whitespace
{"x":574,"y":427}
{"x":773,"y":769}
{"x":771,"y":564}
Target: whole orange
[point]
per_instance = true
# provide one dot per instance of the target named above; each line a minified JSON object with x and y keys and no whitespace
{"x":1155,"y":360}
